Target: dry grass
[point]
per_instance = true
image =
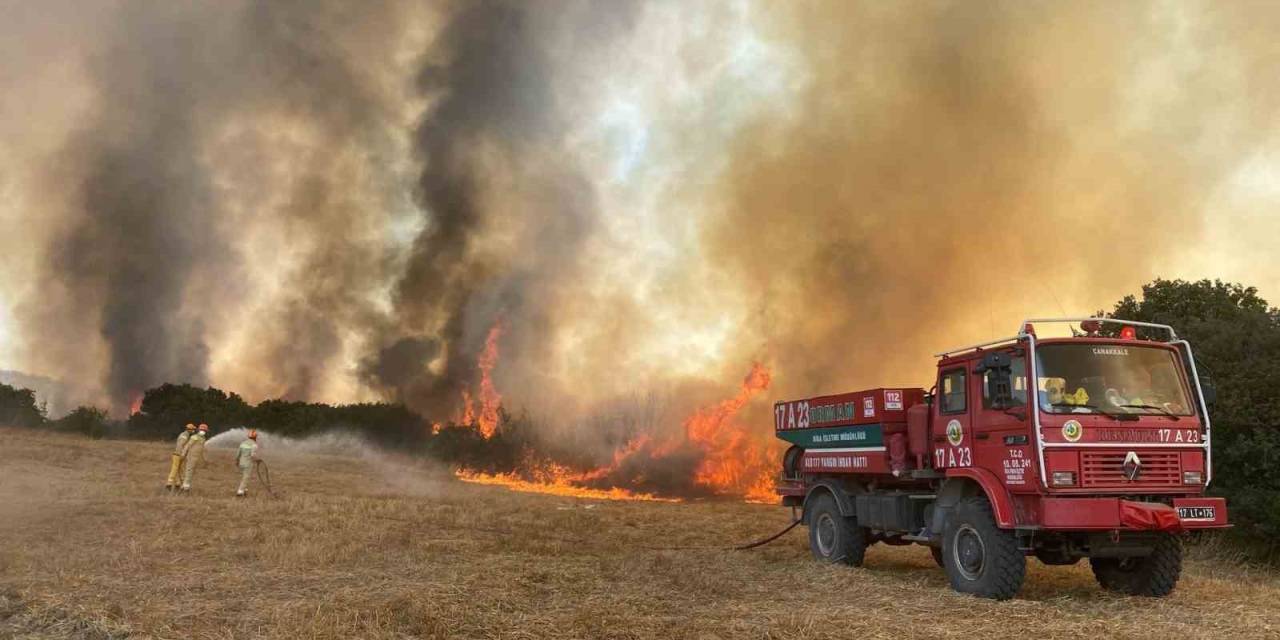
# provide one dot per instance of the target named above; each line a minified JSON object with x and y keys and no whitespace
{"x":374,"y":548}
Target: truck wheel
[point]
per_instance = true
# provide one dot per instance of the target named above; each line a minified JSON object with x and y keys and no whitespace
{"x":1154,"y":576}
{"x":936,"y":552}
{"x":833,"y":537}
{"x":980,"y":557}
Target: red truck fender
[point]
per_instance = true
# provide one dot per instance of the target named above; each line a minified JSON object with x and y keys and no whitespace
{"x":996,"y":493}
{"x":843,"y":499}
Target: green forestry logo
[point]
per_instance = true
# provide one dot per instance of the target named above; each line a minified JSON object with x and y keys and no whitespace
{"x":1071,"y":431}
{"x":955,"y":433}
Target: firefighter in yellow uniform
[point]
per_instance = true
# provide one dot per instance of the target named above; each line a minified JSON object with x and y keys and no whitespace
{"x":175,"y":459}
{"x":246,"y":457}
{"x":193,"y":454}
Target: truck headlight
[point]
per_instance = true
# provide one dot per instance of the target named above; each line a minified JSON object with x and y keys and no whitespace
{"x":1192,"y":477}
{"x":1064,"y":478}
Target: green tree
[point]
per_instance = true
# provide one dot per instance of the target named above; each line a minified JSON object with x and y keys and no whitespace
{"x":168,"y":407}
{"x":1235,"y":336}
{"x":18,"y":407}
{"x":90,"y":421}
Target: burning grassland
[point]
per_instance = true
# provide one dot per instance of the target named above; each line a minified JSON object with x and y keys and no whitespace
{"x":556,"y":481}
{"x":714,"y":453}
{"x":91,"y":548}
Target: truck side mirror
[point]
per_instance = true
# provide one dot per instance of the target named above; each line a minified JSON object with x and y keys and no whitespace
{"x":1209,"y":390}
{"x":999,"y":368}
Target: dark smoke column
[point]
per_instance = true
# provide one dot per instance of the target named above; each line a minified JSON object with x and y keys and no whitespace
{"x":140,"y":219}
{"x":494,"y":114}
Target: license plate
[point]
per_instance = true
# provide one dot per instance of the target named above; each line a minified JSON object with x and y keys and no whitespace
{"x":1197,"y":513}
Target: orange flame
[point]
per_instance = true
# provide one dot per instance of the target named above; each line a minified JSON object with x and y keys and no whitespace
{"x":135,"y":407}
{"x":484,"y":414}
{"x":490,"y":400}
{"x":468,"y":416}
{"x":734,"y":462}
{"x":559,"y":481}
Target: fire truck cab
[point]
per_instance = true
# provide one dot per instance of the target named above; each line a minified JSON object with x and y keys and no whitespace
{"x":1091,"y":446}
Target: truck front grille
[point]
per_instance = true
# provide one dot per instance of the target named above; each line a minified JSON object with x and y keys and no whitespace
{"x":1106,"y":469}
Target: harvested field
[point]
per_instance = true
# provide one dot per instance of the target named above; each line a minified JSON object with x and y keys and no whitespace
{"x":378,"y":547}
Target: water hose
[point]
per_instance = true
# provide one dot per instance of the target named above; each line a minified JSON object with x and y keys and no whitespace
{"x":264,"y":476}
{"x":761,"y":543}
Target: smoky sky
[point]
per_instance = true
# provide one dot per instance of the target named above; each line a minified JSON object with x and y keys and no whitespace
{"x":337,"y":202}
{"x":984,"y":163}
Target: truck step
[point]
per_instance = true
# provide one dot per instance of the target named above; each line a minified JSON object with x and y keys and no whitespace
{"x":915,"y":537}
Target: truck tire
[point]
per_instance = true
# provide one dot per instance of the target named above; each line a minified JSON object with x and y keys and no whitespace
{"x":980,"y":557}
{"x":833,"y":537}
{"x":1153,"y":576}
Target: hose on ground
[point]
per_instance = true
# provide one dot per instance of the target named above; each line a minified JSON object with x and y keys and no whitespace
{"x":761,"y":543}
{"x":264,"y":476}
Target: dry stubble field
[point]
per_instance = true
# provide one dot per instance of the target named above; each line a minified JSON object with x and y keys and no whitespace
{"x":377,"y":547}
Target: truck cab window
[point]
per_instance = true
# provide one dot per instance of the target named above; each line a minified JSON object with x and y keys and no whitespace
{"x":953,"y":391}
{"x":1087,"y":377}
{"x":1017,"y":383}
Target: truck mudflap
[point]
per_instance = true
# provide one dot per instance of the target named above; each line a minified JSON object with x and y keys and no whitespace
{"x":1079,"y":514}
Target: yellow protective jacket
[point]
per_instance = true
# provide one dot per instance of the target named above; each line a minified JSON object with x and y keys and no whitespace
{"x":182,"y":441}
{"x":175,"y":460}
{"x":193,"y":451}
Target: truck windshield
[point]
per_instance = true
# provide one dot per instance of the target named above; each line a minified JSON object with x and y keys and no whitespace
{"x":1087,"y":378}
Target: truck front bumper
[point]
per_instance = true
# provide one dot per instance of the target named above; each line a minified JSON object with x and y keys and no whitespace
{"x":1093,"y":514}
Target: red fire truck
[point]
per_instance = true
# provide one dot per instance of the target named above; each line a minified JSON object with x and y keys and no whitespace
{"x":1091,"y":446}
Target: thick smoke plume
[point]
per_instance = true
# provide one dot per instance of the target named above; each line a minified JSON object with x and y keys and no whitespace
{"x":493,"y":126}
{"x":339,"y":202}
{"x":950,"y":168}
{"x":211,"y":194}
{"x":140,"y":217}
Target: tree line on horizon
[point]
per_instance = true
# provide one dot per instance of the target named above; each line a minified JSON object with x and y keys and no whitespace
{"x":166,"y":409}
{"x":1235,"y":335}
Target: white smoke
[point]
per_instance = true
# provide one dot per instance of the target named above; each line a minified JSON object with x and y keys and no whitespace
{"x":399,"y":474}
{"x":330,"y":443}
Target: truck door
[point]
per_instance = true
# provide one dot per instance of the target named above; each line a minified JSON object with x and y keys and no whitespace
{"x":1001,"y":442}
{"x":953,"y":434}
